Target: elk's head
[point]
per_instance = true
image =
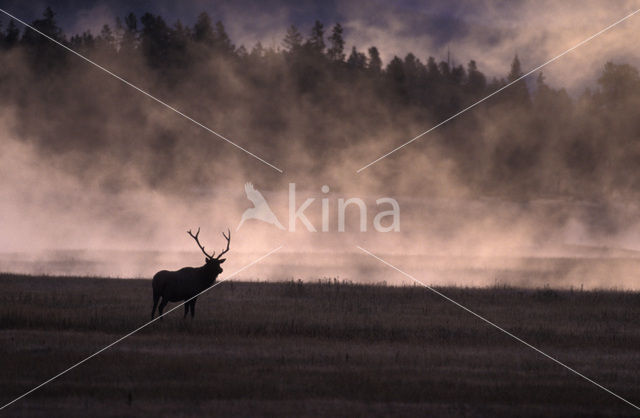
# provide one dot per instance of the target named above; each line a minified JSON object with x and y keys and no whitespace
{"x":213,"y":263}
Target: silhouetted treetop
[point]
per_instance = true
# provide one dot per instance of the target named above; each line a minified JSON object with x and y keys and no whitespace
{"x":336,"y":41}
{"x":293,"y":39}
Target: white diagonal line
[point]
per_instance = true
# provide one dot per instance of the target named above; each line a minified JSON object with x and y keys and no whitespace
{"x":138,"y":329}
{"x":500,"y":89}
{"x":498,"y":327}
{"x":143,"y":92}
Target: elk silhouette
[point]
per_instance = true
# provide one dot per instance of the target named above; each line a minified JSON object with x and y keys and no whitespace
{"x":184,"y":284}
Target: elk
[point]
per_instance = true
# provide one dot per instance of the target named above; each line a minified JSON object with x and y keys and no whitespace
{"x":184,"y":284}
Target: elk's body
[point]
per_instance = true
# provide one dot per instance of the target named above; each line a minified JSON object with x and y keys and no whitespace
{"x":186,"y":283}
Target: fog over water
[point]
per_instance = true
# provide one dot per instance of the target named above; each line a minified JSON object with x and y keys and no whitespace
{"x":539,"y":188}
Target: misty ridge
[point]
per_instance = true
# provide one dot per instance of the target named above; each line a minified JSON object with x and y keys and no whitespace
{"x":314,"y":108}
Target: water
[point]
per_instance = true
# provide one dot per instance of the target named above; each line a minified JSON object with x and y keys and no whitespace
{"x":583,"y":268}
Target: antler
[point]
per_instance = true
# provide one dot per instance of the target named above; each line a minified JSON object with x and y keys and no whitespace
{"x":200,"y":245}
{"x":228,"y":238}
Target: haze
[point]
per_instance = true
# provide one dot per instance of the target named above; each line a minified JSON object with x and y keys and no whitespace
{"x":545,"y":173}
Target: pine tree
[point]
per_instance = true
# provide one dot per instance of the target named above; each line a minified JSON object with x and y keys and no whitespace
{"x":129,"y":38}
{"x":375,"y":63}
{"x":155,"y":40}
{"x":336,"y":50}
{"x":106,"y":40}
{"x":223,"y":42}
{"x":316,"y":40}
{"x":357,"y":60}
{"x":12,"y":35}
{"x":617,"y":83}
{"x":203,"y":30}
{"x":476,"y":81}
{"x":516,"y":71}
{"x":519,"y":93}
{"x":42,"y":56}
{"x":293,"y":39}
{"x":46,"y":25}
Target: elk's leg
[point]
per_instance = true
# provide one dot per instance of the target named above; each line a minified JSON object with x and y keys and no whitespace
{"x":186,"y":309}
{"x":156,"y":297}
{"x":163,"y":303}
{"x":193,"y":307}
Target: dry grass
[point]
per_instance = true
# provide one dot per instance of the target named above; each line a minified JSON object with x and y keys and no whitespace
{"x":315,"y":349}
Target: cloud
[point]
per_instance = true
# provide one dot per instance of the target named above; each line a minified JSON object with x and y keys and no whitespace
{"x":92,"y":18}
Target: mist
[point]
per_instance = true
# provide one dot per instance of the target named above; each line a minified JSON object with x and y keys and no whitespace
{"x":537,"y":187}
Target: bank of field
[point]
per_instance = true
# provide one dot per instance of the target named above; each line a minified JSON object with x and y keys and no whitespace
{"x":293,"y":349}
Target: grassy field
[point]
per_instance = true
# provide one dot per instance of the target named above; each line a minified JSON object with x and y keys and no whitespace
{"x":327,"y":348}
